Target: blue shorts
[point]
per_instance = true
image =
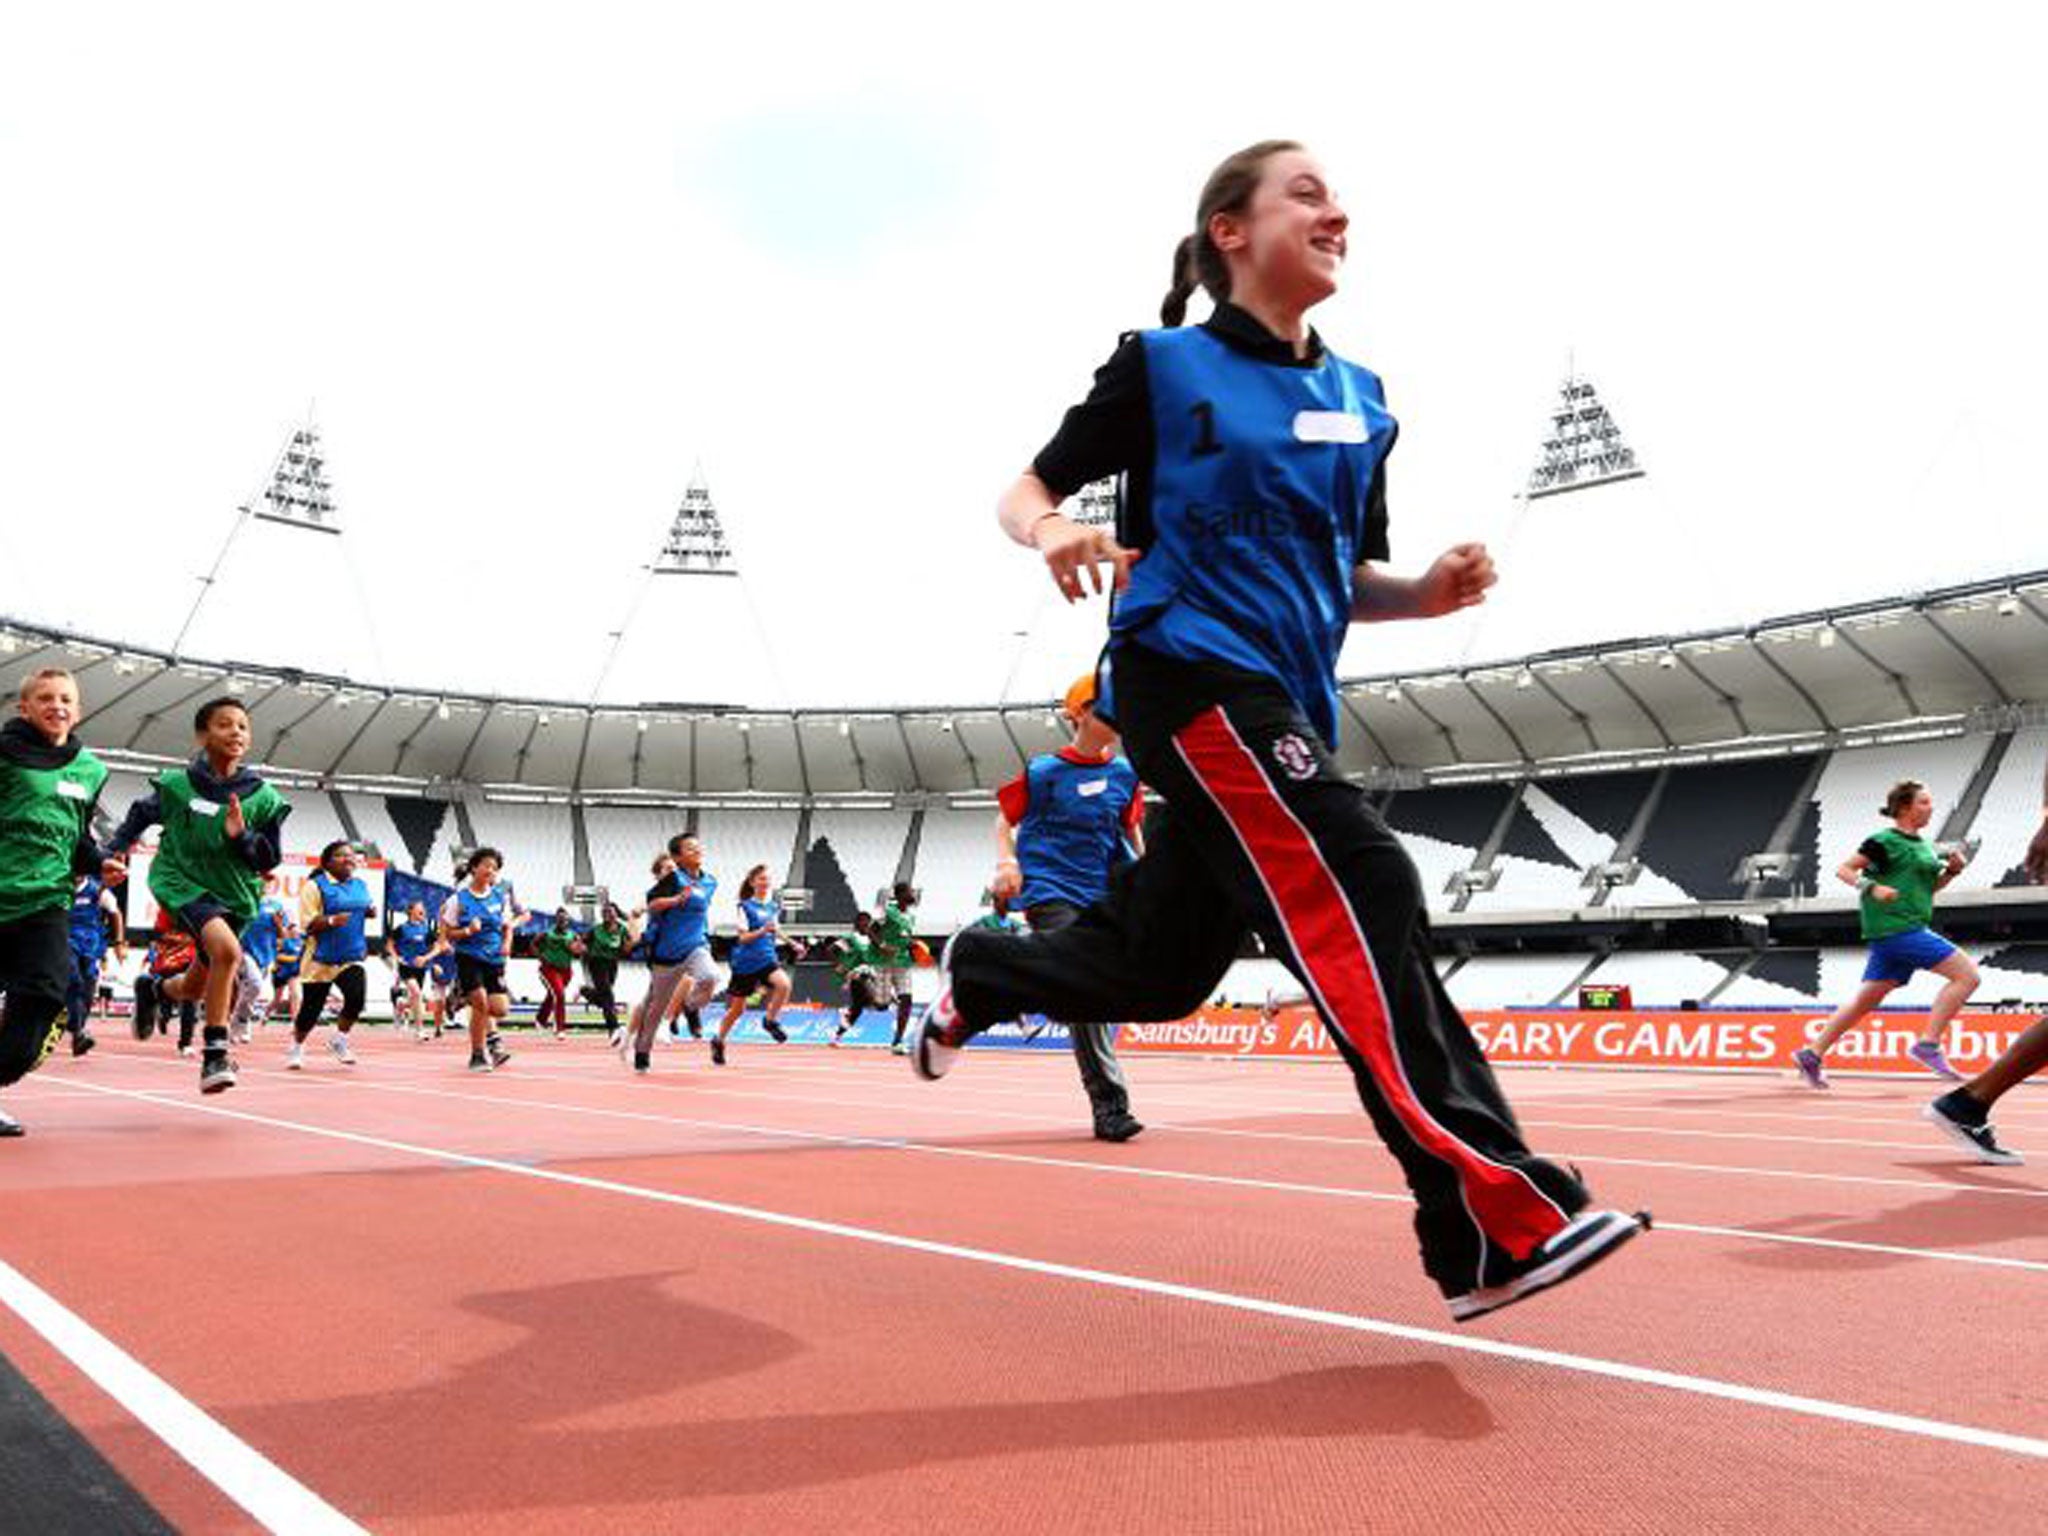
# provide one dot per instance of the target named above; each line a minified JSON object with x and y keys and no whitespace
{"x":1897,"y":956}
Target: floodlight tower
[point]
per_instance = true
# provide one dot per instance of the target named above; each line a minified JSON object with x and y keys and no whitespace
{"x":1584,"y":448}
{"x":297,"y":494}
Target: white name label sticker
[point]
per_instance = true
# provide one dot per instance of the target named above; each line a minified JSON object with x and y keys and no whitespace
{"x":1091,"y":787}
{"x":205,"y":808}
{"x":70,"y":790}
{"x":1329,"y":427}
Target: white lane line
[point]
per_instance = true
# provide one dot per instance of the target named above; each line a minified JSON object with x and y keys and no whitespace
{"x":923,"y":1101}
{"x":1129,"y":1170}
{"x":278,"y":1501}
{"x":1586,"y":1365}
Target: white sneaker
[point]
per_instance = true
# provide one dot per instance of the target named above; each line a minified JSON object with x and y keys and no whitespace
{"x":339,"y":1045}
{"x":294,"y":1057}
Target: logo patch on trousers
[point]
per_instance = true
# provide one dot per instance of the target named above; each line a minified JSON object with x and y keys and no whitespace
{"x":1297,"y":759}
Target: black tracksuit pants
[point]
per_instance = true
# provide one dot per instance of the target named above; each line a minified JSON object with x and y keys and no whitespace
{"x":1102,"y":1075}
{"x":35,"y":969}
{"x":1261,"y":831}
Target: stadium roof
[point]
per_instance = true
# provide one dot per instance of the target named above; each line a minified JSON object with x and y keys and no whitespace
{"x":1968,"y":657}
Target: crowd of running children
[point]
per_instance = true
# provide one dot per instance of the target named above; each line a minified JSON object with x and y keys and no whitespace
{"x":1250,"y":536}
{"x":226,"y":947}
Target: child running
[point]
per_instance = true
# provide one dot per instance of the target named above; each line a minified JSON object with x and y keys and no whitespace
{"x":1256,"y":497}
{"x":895,"y":939}
{"x":1964,"y":1113}
{"x":410,"y":943}
{"x":1897,"y":872}
{"x":754,"y":963}
{"x":335,"y":910}
{"x":94,"y":911}
{"x":220,"y":837}
{"x":557,"y":950}
{"x":260,"y":938}
{"x":1068,"y":822}
{"x":678,"y":946}
{"x":49,"y":783}
{"x":478,"y":921}
{"x":854,"y":964}
{"x":603,"y":947}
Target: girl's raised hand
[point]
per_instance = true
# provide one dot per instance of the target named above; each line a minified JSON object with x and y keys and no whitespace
{"x":1070,"y":548}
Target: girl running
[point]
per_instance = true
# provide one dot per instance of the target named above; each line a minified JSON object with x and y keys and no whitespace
{"x":1254,"y":460}
{"x":755,"y":965}
{"x":334,"y":909}
{"x":260,"y":938}
{"x":478,"y":921}
{"x":1897,"y":873}
{"x":557,"y":950}
{"x":411,"y":942}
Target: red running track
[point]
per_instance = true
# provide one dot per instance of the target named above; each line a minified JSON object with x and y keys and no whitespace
{"x":808,"y":1293}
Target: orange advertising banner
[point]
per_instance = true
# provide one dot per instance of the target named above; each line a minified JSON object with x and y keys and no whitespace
{"x":1635,"y":1038}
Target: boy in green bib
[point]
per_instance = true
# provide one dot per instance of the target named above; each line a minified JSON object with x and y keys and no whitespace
{"x":49,"y":783}
{"x":221,"y":826}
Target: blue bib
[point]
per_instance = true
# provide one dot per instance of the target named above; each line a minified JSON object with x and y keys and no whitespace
{"x":412,"y":940}
{"x":756,"y":954}
{"x":1261,"y":480}
{"x":672,"y":934}
{"x":259,"y":935}
{"x":348,"y":899}
{"x":1072,"y":833}
{"x":88,"y":921}
{"x":492,"y":909}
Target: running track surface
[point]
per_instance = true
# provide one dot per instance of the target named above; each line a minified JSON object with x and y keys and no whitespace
{"x":560,"y":1298}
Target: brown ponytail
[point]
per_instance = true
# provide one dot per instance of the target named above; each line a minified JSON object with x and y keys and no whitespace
{"x":1903,"y":794}
{"x":1196,"y":261}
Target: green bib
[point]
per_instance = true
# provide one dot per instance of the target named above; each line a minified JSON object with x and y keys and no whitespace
{"x":603,"y":943}
{"x":1911,"y":867}
{"x":193,"y":855}
{"x":553,"y":949}
{"x":43,"y":812}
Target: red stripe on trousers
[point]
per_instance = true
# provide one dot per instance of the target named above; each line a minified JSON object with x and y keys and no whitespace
{"x":1330,"y":945}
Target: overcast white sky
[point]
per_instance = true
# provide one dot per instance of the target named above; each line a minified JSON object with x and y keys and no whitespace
{"x":531,"y":265}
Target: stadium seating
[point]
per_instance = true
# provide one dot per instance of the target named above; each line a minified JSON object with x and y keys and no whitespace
{"x":623,"y":843}
{"x":538,"y":844}
{"x":2006,"y":821}
{"x":956,"y":858}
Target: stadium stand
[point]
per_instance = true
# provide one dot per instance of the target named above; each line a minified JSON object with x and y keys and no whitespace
{"x":1508,"y":981}
{"x":539,"y":848}
{"x":623,"y":842}
{"x":2010,"y":812}
{"x":956,"y":857}
{"x":867,"y":844}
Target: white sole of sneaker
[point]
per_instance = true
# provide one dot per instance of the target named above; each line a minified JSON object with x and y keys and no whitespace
{"x":1961,"y":1138}
{"x":1615,"y":1228}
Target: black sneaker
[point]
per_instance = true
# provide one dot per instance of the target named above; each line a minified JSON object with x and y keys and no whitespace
{"x":717,"y":1051}
{"x":642,"y":1062}
{"x":479,"y":1062}
{"x":499,"y":1055}
{"x":1587,"y":1239}
{"x":9,"y":1126}
{"x":143,"y":1020}
{"x":1117,"y":1125}
{"x":82,"y":1042}
{"x":1969,"y":1127}
{"x":216,"y":1072}
{"x":695,"y":1020}
{"x":775,"y":1031}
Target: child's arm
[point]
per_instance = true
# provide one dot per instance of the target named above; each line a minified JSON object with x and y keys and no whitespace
{"x":261,"y":848}
{"x":142,"y":815}
{"x":1457,"y":579}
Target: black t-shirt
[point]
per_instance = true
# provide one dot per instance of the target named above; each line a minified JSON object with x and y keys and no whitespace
{"x":1110,"y":432}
